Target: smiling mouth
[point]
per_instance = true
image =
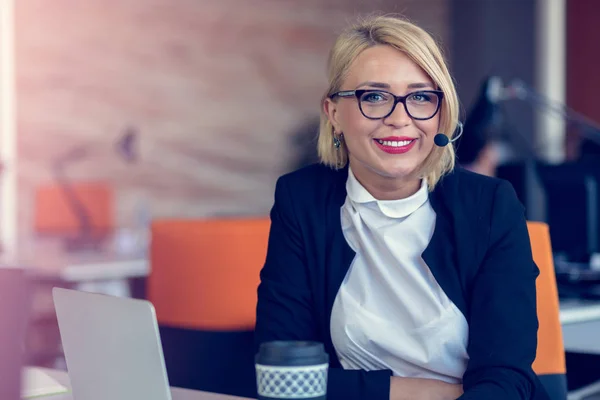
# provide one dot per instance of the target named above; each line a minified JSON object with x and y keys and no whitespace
{"x":395,"y":143}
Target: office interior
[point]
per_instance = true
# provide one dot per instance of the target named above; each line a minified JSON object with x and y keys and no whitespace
{"x":140,"y":143}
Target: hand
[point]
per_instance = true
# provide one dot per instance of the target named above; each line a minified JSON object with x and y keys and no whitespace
{"x":423,"y":389}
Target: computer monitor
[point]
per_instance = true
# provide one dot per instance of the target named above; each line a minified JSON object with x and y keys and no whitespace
{"x":572,"y":192}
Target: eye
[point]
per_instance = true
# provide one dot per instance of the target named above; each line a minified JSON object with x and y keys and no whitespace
{"x":422,"y":97}
{"x":375,"y":97}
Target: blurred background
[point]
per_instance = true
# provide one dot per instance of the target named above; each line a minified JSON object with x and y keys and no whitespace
{"x":131,"y":129}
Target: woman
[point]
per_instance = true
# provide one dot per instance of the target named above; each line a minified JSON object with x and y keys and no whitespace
{"x":418,"y":278}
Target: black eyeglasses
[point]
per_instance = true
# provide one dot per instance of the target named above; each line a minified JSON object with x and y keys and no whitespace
{"x":379,"y":104}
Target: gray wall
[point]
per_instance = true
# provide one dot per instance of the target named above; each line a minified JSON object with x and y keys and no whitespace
{"x":494,"y":37}
{"x":497,"y":37}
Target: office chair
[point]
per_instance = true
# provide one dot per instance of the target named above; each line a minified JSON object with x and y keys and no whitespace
{"x":549,"y":363}
{"x":203,"y":284}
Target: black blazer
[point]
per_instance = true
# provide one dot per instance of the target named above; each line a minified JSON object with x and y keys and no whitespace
{"x":479,"y":253}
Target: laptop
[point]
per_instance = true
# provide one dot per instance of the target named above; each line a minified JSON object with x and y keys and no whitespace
{"x":112,"y":346}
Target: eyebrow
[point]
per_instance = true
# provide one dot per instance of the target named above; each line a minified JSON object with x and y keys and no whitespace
{"x":421,"y":85}
{"x":381,"y":85}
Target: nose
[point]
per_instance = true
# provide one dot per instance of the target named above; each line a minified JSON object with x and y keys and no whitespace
{"x":399,"y":117}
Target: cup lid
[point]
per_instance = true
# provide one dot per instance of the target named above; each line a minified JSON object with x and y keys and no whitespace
{"x":292,"y":353}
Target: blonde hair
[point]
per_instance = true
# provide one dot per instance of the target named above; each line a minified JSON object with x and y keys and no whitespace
{"x":422,"y":49}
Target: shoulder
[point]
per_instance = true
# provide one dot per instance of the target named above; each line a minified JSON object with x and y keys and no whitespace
{"x":466,"y":180}
{"x":473,"y":190}
{"x":307,"y":195}
{"x":315,"y":181}
{"x":314,"y":174}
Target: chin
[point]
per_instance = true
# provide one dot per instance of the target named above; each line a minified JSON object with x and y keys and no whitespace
{"x":398,"y":172}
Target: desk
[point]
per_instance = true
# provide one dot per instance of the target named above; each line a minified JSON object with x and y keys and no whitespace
{"x":100,"y":273}
{"x":580,"y":320}
{"x":79,"y":267}
{"x":47,"y":259}
{"x":177,"y":393}
{"x":574,"y":311}
{"x":48,"y":265}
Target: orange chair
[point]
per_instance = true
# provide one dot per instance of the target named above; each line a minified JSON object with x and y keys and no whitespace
{"x":205,"y":273}
{"x":55,"y":216}
{"x":549,"y":363}
{"x":203,"y":284}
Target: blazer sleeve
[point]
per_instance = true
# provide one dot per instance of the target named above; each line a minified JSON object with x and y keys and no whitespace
{"x":286,"y":310}
{"x":503,"y":318}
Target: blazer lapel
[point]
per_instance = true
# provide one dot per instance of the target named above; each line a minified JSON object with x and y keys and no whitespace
{"x":340,"y":253}
{"x":440,"y":255}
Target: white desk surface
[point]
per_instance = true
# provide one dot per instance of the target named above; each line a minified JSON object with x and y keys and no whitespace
{"x":580,"y":320}
{"x":48,"y":259}
{"x":104,"y":269}
{"x":82,"y":267}
{"x":578,"y":311}
{"x":177,"y":393}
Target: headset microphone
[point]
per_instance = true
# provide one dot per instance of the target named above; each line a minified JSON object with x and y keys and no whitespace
{"x":442,"y":140}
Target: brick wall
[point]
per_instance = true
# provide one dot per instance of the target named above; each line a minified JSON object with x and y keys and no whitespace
{"x":215,"y":89}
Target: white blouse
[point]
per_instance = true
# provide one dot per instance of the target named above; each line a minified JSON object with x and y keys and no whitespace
{"x":390,"y":312}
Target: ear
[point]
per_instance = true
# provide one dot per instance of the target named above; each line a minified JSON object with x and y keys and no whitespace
{"x":330,"y":109}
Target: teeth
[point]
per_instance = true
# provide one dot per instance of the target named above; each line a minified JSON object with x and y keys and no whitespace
{"x":394,"y":143}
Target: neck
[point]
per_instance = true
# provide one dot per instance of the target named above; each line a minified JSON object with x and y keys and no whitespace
{"x":386,"y":188}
